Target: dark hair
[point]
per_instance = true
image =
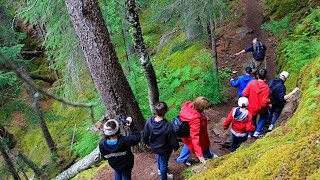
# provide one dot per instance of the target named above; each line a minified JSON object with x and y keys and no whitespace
{"x":113,"y":125}
{"x":262,"y":73}
{"x":161,"y":108}
{"x":248,"y":70}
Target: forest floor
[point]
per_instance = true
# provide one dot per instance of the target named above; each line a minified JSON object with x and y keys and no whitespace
{"x":236,"y":35}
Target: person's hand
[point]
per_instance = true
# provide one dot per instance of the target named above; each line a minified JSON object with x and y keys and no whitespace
{"x":237,"y":54}
{"x":202,"y":160}
{"x":231,"y":79}
{"x":295,"y":89}
{"x":270,"y":106}
{"x":129,"y":121}
{"x":97,"y":159}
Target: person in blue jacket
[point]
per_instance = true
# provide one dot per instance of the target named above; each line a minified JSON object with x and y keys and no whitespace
{"x":242,"y":82}
{"x":159,"y":134}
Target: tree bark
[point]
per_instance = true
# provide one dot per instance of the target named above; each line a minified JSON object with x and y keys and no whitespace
{"x":214,"y":47}
{"x":10,"y":140}
{"x":193,"y":27}
{"x":102,"y":60}
{"x":8,"y":161}
{"x":43,"y":78}
{"x":133,"y":18}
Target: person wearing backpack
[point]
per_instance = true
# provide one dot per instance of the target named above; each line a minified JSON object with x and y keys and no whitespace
{"x":159,"y":134}
{"x":197,"y":142}
{"x":258,"y":93}
{"x":241,"y":123}
{"x":278,"y":97}
{"x":258,"y":50}
{"x":243,"y":80}
{"x":117,"y":148}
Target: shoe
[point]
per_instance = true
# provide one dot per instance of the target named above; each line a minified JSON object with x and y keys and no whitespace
{"x":249,"y":136}
{"x":214,"y":155}
{"x":159,"y":173}
{"x":170,"y":176}
{"x":187,"y":163}
{"x":270,"y":127}
{"x":256,"y":134}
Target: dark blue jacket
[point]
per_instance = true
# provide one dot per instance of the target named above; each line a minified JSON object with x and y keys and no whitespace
{"x":258,"y":52}
{"x":160,"y":136}
{"x":119,"y":156}
{"x":241,"y":83}
{"x":277,"y":93}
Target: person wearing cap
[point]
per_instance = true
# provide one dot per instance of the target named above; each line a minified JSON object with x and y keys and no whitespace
{"x":241,"y":123}
{"x":117,"y":148}
{"x":159,"y":134}
{"x":258,"y":50}
{"x":242,"y":82}
{"x":258,"y":93}
{"x":278,"y":97}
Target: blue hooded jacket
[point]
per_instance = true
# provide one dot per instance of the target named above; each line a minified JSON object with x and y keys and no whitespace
{"x":241,"y":83}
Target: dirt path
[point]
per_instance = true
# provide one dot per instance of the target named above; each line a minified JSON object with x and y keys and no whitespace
{"x":237,"y":35}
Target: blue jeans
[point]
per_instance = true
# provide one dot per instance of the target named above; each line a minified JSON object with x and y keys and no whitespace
{"x":122,"y":175}
{"x":254,"y":122}
{"x":262,"y":120}
{"x":236,"y":142}
{"x":163,"y":166}
{"x":273,"y":116}
{"x":185,"y":154}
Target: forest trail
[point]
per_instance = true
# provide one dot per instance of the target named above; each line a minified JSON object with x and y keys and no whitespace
{"x":237,"y":35}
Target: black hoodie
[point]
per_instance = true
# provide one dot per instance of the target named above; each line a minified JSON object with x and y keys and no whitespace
{"x":160,"y":136}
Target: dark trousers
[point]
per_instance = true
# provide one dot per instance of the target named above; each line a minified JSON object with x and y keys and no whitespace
{"x":122,"y":174}
{"x":236,"y":142}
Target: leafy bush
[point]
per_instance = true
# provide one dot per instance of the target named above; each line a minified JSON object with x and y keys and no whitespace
{"x":278,"y":28}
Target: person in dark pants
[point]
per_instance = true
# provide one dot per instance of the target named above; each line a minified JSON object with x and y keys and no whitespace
{"x":117,"y":148}
{"x":241,"y":123}
{"x":258,"y":50}
{"x":159,"y":134}
{"x":242,"y":82}
{"x":278,"y":98}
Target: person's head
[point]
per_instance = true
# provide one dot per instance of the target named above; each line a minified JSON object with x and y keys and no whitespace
{"x":161,"y":108}
{"x":284,"y":75}
{"x":111,"y":128}
{"x":255,"y":41}
{"x":248,"y":70}
{"x":243,"y":102}
{"x":201,"y":103}
{"x":261,"y":74}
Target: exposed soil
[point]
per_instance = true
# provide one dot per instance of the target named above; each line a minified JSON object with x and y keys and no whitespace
{"x":236,"y":36}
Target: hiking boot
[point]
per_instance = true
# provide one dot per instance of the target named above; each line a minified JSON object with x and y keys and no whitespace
{"x":270,"y":127}
{"x":257,"y":134}
{"x":187,"y":163}
{"x":170,"y":176}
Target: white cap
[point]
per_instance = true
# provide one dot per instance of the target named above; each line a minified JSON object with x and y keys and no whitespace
{"x":107,"y":130}
{"x":243,"y":102}
{"x":284,"y":74}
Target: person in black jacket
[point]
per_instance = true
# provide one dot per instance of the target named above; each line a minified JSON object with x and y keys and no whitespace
{"x":278,"y":98}
{"x":117,"y":148}
{"x":159,"y":134}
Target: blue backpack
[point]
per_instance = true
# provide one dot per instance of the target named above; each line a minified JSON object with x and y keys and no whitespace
{"x":181,"y":128}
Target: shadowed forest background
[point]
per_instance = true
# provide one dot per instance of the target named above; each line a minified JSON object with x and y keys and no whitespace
{"x":56,"y":86}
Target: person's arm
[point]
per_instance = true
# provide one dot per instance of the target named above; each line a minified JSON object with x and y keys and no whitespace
{"x":235,"y":83}
{"x":173,"y":139}
{"x":134,"y":137}
{"x":281,"y":93}
{"x":249,"y":126}
{"x":241,"y":52}
{"x":228,"y":121}
{"x":288,"y":96}
{"x":246,"y":91}
{"x":101,"y":150}
{"x":265,"y":98}
{"x":146,"y":134}
{"x":195,"y":136}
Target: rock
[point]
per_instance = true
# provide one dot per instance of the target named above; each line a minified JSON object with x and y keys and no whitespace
{"x":244,"y":30}
{"x":198,"y":168}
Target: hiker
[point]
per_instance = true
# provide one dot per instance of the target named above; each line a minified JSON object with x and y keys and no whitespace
{"x":241,"y":123}
{"x":258,"y":50}
{"x":257,"y":92}
{"x":159,"y":134}
{"x":197,"y":142}
{"x":278,"y":97}
{"x":242,"y":81}
{"x":117,"y":148}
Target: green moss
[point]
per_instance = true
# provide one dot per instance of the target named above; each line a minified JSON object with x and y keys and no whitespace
{"x":88,"y":174}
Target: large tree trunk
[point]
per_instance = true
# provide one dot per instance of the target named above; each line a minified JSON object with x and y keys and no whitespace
{"x":133,"y":18}
{"x":214,"y":47}
{"x":192,"y":23}
{"x":8,"y":161}
{"x":102,"y":60}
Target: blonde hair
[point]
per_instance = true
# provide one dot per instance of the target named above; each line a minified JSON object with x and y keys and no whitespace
{"x":201,"y":103}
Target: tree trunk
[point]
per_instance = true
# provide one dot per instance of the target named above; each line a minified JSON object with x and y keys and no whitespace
{"x":8,"y":161}
{"x":9,"y":138}
{"x":193,"y":27}
{"x":102,"y":60}
{"x":214,"y":47}
{"x":79,"y":166}
{"x":133,"y":18}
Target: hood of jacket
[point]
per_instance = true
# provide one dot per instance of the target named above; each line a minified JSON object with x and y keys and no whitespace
{"x":260,"y":86}
{"x":158,"y":127}
{"x":247,"y":77}
{"x":187,"y":112}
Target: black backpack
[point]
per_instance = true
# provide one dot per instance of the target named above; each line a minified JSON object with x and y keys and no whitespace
{"x":181,"y":128}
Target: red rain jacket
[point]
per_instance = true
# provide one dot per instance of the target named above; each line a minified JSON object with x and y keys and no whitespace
{"x":257,"y":93}
{"x":243,"y":126}
{"x":198,"y":141}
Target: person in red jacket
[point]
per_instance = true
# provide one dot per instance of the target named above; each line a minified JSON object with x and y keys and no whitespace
{"x":198,"y":141}
{"x":258,"y":92}
{"x":241,"y":120}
